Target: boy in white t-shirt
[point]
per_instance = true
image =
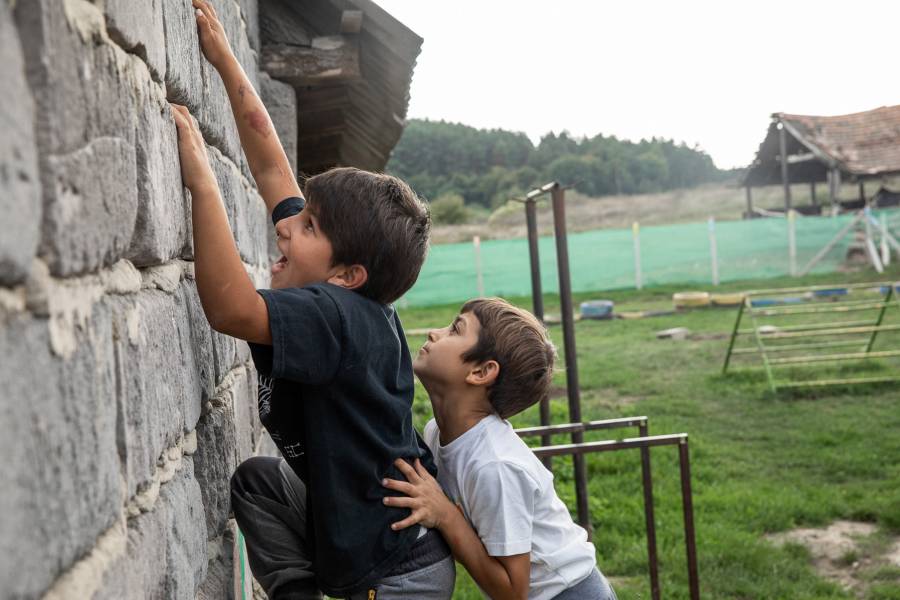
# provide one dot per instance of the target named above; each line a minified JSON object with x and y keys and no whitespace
{"x":507,"y":527}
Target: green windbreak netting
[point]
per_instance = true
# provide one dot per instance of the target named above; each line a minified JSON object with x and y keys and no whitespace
{"x":604,"y":259}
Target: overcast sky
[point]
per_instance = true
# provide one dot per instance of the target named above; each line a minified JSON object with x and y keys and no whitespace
{"x":705,"y":72}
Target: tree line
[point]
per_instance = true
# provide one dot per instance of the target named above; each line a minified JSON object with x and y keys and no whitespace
{"x":486,"y":167}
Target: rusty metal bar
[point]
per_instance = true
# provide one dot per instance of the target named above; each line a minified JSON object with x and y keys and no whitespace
{"x":734,"y":334}
{"x":816,"y":288}
{"x":558,"y":200}
{"x":687,"y":503}
{"x":649,"y":517}
{"x":589,"y":426}
{"x":610,"y":445}
{"x":537,"y":295}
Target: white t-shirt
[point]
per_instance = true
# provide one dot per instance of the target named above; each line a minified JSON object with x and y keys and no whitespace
{"x":508,"y":497}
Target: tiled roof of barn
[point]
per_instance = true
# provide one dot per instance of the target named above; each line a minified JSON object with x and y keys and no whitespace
{"x":859,"y":144}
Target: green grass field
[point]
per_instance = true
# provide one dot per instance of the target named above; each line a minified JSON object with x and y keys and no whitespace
{"x":761,"y":462}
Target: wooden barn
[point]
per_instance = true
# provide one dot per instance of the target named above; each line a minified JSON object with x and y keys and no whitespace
{"x":806,"y":149}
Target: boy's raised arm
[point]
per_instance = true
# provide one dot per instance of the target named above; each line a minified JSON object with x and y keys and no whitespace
{"x":268,"y":162}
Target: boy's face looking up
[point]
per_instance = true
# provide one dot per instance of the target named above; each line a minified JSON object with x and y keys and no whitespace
{"x":440,"y":360}
{"x":306,"y":252}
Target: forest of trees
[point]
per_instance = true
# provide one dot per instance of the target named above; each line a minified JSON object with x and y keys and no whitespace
{"x":487,"y":167}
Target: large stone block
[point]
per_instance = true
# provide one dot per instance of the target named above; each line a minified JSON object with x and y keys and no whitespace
{"x":163,"y":216}
{"x":90,"y":204}
{"x":57,"y":437}
{"x":215,"y":461}
{"x":199,"y":355}
{"x":158,"y":381}
{"x":138,"y":27}
{"x":186,"y":556}
{"x":250,"y":14}
{"x":184,"y":62}
{"x":83,"y":84}
{"x":20,"y":192}
{"x":281,"y":103}
{"x":246,"y":413}
{"x":254,"y":228}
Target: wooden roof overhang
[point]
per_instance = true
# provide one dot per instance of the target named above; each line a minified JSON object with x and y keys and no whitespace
{"x":351,"y":65}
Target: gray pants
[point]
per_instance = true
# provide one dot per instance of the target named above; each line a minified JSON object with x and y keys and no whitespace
{"x":269,"y":504}
{"x":595,"y":587}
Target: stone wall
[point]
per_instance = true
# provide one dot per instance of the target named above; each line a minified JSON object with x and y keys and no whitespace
{"x":122,"y":414}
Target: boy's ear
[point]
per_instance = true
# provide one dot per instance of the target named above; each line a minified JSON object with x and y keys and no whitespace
{"x":351,"y":277}
{"x":484,"y":374}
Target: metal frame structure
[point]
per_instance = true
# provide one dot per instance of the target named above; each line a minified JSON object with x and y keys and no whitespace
{"x":827,"y":335}
{"x":578,"y":448}
{"x":644,"y":443}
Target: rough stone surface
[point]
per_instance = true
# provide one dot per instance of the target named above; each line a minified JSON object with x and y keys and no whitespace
{"x":57,"y":437}
{"x":281,"y":103}
{"x":186,"y":540}
{"x":20,"y":199}
{"x":154,"y":386}
{"x":215,"y":461}
{"x":163,"y":217}
{"x":90,"y":199}
{"x":122,"y":414}
{"x":138,"y":27}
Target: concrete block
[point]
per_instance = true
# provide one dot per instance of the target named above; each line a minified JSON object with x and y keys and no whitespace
{"x":186,"y":557}
{"x":138,"y":28}
{"x":57,"y":437}
{"x":215,"y":461}
{"x":162,"y":224}
{"x":90,"y":204}
{"x":20,"y":191}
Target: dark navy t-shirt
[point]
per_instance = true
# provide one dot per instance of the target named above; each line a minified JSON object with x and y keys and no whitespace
{"x":335,"y":393}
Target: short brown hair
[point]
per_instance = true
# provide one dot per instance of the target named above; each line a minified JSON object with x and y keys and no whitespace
{"x":520,"y":345}
{"x":374,"y":220}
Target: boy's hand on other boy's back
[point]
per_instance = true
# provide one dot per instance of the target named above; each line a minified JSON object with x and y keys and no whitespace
{"x":195,"y":170}
{"x":213,"y":40}
{"x":424,"y":496}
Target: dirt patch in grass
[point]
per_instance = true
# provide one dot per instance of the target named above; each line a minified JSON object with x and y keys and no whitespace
{"x":850,"y":553}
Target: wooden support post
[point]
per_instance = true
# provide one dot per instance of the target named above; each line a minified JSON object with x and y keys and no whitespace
{"x":328,"y":60}
{"x":785,"y":176}
{"x":834,"y":185}
{"x":862,"y":191}
{"x":749,"y":214}
{"x":812,"y":193}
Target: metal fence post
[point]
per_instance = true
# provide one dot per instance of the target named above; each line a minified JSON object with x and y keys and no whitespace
{"x":636,"y":237}
{"x":792,"y":242}
{"x":479,"y":278}
{"x":713,"y":251}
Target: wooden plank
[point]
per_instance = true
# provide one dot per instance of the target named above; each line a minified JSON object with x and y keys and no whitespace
{"x":351,"y":21}
{"x":329,"y":60}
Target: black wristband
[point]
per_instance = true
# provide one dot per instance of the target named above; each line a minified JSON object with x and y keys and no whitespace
{"x":287,"y":208}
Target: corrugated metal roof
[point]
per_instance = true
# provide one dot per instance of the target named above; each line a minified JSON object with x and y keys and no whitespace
{"x":859,"y":144}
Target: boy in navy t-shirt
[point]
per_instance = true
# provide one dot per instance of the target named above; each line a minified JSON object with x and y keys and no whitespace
{"x":335,"y":375}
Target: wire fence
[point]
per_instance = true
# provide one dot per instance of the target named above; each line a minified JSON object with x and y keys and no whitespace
{"x":605,"y":259}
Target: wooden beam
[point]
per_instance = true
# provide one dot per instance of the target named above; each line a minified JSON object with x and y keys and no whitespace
{"x":862,"y":191}
{"x":328,"y":60}
{"x":800,"y":158}
{"x":785,"y":177}
{"x":351,"y":21}
{"x":834,"y":185}
{"x":812,"y":192}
